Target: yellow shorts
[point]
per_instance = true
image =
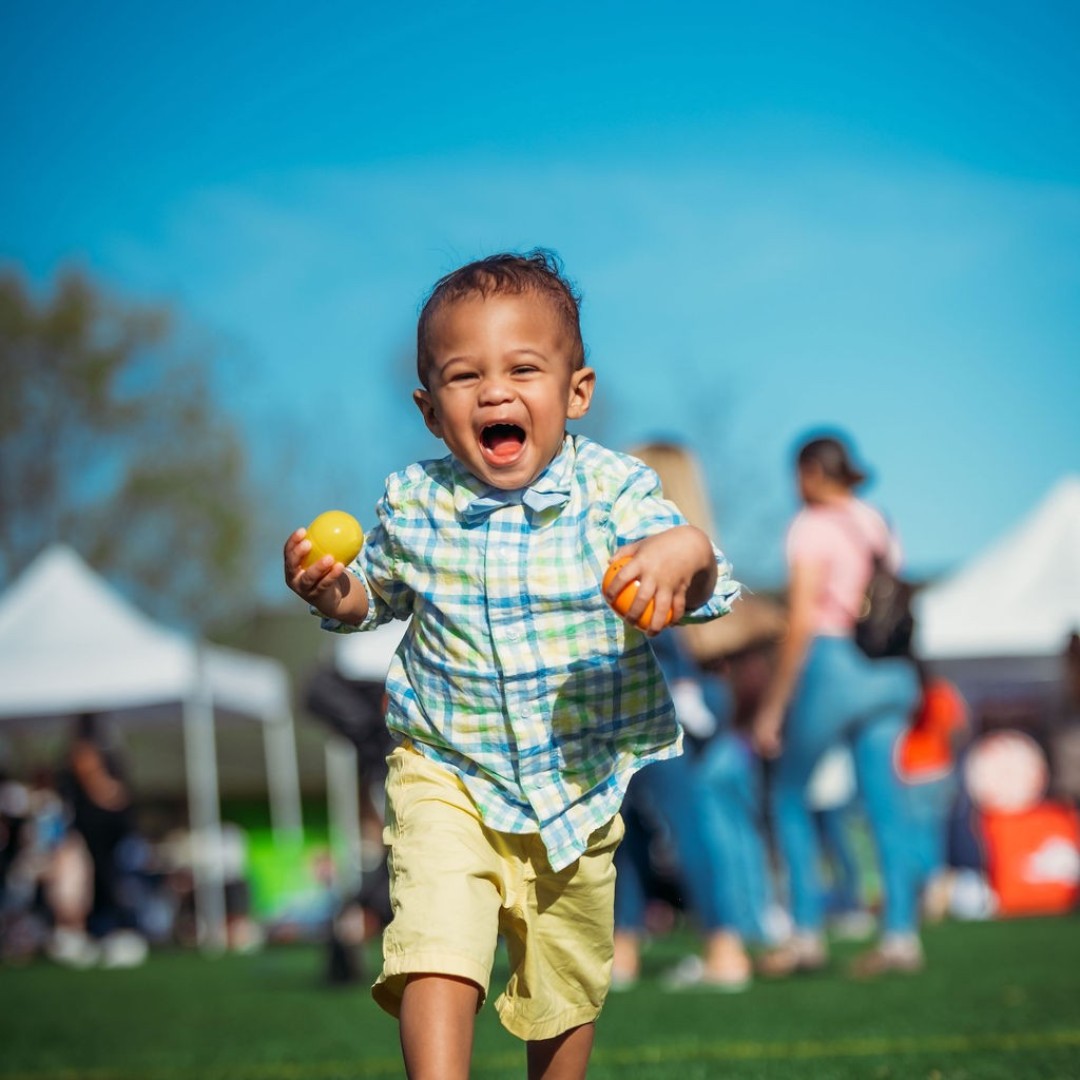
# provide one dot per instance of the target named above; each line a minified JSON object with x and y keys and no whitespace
{"x":455,"y":885}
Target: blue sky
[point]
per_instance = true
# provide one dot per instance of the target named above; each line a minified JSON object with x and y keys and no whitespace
{"x":781,"y":215}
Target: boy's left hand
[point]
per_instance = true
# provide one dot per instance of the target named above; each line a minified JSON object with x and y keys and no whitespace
{"x":675,"y":569}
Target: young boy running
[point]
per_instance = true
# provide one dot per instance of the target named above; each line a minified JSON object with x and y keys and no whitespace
{"x":521,"y":703}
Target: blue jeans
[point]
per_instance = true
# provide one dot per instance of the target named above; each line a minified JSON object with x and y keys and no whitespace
{"x":834,"y":827}
{"x":730,"y":776}
{"x":929,"y":806}
{"x":667,"y":794}
{"x":843,"y":695}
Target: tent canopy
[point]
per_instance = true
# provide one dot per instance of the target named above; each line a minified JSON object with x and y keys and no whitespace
{"x":1019,"y":598}
{"x":69,"y":643}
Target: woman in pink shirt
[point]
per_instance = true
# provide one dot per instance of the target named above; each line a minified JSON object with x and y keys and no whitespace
{"x":825,"y":690}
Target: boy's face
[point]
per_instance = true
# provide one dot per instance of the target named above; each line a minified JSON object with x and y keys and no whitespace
{"x":502,"y":386}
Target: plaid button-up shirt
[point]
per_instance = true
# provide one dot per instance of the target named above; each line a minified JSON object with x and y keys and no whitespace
{"x":514,"y":673}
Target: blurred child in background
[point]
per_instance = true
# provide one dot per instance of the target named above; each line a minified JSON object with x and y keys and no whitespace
{"x":926,"y":756}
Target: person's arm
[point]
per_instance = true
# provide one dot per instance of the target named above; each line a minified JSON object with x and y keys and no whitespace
{"x":100,"y":785}
{"x":327,"y":586}
{"x":803,"y":588}
{"x":675,"y":568}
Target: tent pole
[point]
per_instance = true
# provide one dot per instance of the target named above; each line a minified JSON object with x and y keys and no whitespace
{"x":204,"y":811}
{"x":343,"y":793}
{"x":283,"y":773}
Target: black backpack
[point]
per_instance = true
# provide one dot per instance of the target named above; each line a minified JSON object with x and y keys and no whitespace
{"x":885,"y":625}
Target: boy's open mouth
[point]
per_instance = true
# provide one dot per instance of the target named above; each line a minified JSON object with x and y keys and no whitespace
{"x":502,"y":442}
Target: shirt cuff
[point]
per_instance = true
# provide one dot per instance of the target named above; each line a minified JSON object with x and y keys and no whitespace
{"x":725,"y":594}
{"x":336,"y":626}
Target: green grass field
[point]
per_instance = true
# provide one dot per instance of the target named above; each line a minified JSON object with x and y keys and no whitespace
{"x":998,"y":1000}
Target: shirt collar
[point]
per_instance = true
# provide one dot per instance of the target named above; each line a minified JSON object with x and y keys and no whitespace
{"x":474,"y":500}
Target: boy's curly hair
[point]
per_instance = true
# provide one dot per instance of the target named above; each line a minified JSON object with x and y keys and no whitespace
{"x":508,"y":273}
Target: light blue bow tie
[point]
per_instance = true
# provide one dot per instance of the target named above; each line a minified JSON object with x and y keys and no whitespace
{"x":494,"y":498}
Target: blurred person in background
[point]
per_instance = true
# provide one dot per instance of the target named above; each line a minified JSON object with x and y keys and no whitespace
{"x":824,"y":690}
{"x":1065,"y":738}
{"x":737,"y":663}
{"x":669,"y":793}
{"x":1072,"y":678}
{"x":19,"y":930}
{"x":733,"y":658}
{"x":665,"y":798}
{"x":101,"y":814}
{"x":926,"y":761}
{"x":32,"y":829}
{"x":838,"y":814}
{"x":349,"y":696}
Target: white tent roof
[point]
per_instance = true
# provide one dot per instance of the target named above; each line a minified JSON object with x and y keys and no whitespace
{"x":69,"y":643}
{"x":367,"y":656}
{"x":1021,"y":597}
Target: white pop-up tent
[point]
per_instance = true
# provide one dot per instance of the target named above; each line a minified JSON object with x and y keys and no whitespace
{"x":1000,"y":625}
{"x":69,"y":644}
{"x":1019,"y":598}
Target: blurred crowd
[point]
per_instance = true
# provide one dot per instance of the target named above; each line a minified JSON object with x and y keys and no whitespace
{"x":840,"y":823}
{"x":814,"y":799}
{"x":819,"y":798}
{"x":82,"y":884}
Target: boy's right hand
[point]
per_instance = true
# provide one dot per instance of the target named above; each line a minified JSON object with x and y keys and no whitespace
{"x":325,"y":585}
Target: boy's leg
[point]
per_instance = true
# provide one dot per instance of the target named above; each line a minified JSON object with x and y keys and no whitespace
{"x":558,"y":928}
{"x":437,"y":1018}
{"x":445,"y":886}
{"x":565,"y":1057}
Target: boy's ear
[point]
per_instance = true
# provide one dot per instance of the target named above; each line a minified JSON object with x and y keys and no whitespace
{"x":582,"y":384}
{"x":427,"y":410}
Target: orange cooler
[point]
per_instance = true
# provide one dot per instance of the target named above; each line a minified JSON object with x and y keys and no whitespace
{"x":1033,"y":858}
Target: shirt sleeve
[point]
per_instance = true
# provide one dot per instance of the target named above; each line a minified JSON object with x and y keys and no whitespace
{"x":640,"y":510}
{"x":809,"y":540}
{"x":894,"y":552}
{"x":376,"y":570}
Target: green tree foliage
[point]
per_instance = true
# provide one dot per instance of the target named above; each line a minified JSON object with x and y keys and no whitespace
{"x":111,"y":442}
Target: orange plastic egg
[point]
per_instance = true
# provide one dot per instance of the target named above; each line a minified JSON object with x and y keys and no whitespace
{"x":622,"y":602}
